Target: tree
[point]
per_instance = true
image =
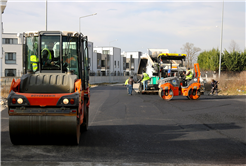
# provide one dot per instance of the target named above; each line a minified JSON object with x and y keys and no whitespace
{"x":190,"y":50}
{"x":234,"y":46}
{"x":234,"y":61}
{"x":209,"y":60}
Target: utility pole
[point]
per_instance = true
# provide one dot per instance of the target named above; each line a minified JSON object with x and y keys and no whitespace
{"x":221,"y":36}
{"x":45,"y":15}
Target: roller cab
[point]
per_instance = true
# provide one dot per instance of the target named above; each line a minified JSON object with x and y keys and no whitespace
{"x":49,"y":104}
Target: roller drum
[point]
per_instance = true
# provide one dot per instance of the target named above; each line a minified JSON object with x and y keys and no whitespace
{"x":43,"y":129}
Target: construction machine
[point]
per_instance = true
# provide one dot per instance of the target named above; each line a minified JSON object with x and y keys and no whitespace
{"x":50,"y":102}
{"x":166,"y":72}
{"x":149,"y":65}
{"x":176,"y":84}
{"x":158,"y":68}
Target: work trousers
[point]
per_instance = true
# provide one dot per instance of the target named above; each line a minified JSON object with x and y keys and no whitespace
{"x":145,"y":84}
{"x":214,"y":90}
{"x":130,"y":89}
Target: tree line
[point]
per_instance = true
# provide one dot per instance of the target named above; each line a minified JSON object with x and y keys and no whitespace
{"x":230,"y":61}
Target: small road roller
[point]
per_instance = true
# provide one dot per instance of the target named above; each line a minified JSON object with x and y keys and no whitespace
{"x":50,"y":102}
{"x":172,"y":86}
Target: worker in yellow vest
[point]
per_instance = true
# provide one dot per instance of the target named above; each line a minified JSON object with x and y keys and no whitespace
{"x":145,"y":78}
{"x":189,"y":75}
{"x":34,"y":60}
{"x":126,"y":84}
{"x":47,"y":57}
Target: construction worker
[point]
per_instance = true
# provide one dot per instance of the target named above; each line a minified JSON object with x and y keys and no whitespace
{"x":214,"y":87}
{"x":189,"y":75}
{"x":126,"y":84}
{"x":145,"y":78}
{"x":34,"y":60}
{"x":130,"y":85}
{"x":47,"y":56}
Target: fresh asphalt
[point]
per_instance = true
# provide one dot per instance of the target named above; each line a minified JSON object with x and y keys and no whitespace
{"x":144,"y":130}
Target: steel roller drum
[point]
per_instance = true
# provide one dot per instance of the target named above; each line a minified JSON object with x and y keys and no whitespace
{"x":44,"y":129}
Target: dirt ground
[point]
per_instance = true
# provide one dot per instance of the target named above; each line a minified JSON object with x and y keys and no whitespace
{"x":231,"y":84}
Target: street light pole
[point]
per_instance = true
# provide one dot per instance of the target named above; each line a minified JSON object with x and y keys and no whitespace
{"x":221,"y":36}
{"x":46,"y":15}
{"x":85,"y":16}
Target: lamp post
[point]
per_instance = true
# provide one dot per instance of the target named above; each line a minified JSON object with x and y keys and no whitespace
{"x":112,"y":41}
{"x":221,"y":36}
{"x":46,"y":15}
{"x":85,"y":16}
{"x":3,"y":4}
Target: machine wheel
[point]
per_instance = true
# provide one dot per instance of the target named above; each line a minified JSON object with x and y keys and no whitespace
{"x":193,"y":94}
{"x":166,"y":95}
{"x":28,"y":130}
{"x":84,"y":125}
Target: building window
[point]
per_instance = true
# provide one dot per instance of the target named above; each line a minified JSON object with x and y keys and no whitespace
{"x":105,"y":51}
{"x":127,"y":65}
{"x":10,"y":58}
{"x":114,"y":64}
{"x":10,"y":41}
{"x":103,"y":63}
{"x":118,"y":64}
{"x":10,"y":72}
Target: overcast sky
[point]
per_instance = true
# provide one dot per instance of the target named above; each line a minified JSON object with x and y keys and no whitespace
{"x":137,"y":25}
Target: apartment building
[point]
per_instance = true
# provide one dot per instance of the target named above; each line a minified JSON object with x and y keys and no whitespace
{"x":132,"y":60}
{"x":107,"y":61}
{"x":11,"y":60}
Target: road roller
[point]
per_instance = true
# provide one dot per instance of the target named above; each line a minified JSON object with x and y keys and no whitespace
{"x":49,"y":104}
{"x":173,"y":86}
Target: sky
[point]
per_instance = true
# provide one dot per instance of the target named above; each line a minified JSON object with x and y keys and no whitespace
{"x":135,"y":25}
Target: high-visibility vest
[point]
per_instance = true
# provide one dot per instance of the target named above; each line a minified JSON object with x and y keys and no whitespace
{"x":49,"y":53}
{"x":126,"y":82}
{"x":34,"y":59}
{"x":145,"y":77}
{"x":189,"y":76}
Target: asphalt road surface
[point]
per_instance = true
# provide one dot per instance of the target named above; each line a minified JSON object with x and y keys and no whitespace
{"x":145,"y":130}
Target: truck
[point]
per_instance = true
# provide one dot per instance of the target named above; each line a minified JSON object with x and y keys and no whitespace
{"x":50,"y":102}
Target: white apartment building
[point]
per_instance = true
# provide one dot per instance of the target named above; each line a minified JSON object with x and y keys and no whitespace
{"x":107,"y":60}
{"x":12,"y":61}
{"x":132,"y":61}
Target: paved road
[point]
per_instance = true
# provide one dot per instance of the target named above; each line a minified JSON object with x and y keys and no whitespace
{"x":145,"y":130}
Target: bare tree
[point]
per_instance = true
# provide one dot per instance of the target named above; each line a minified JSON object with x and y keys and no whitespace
{"x":190,"y":50}
{"x":233,"y":46}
